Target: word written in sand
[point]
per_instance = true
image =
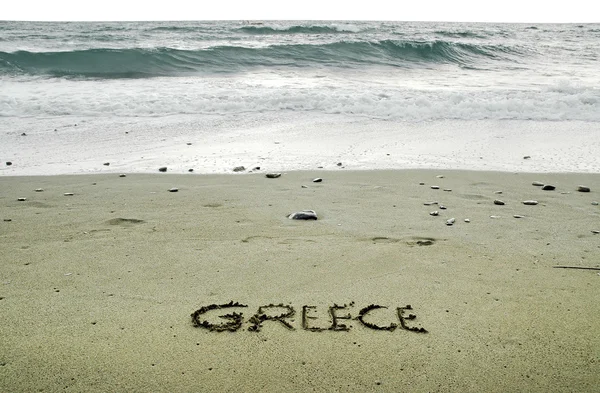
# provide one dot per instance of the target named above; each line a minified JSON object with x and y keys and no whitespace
{"x":211,"y":317}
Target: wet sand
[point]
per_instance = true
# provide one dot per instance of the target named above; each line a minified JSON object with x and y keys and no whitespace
{"x":97,"y":288}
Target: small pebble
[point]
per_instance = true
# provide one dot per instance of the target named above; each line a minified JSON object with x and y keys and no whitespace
{"x":442,"y":207}
{"x":191,"y":170}
{"x":8,"y":163}
{"x":162,"y":169}
{"x":174,"y":189}
{"x":39,"y":190}
{"x":537,"y":183}
{"x":467,"y":220}
{"x":548,"y":187}
{"x":498,"y":202}
{"x":7,"y":220}
{"x":440,"y":176}
{"x":273,"y":175}
{"x":583,"y":189}
{"x":526,"y":157}
{"x":595,"y":203}
{"x":339,"y":164}
{"x":23,"y":134}
{"x":435,"y":187}
{"x":497,"y":192}
{"x":421,"y":183}
{"x":106,"y":164}
{"x":518,"y":216}
{"x":434,"y":213}
{"x":189,"y":143}
{"x":447,"y":189}
{"x":303,"y":186}
{"x":239,"y":168}
{"x":530,"y":203}
{"x":21,"y":199}
{"x":303,"y":215}
{"x":68,"y":194}
{"x":256,"y":168}
{"x":450,"y":221}
{"x":317,"y":180}
{"x":494,"y":216}
{"x":122,"y":175}
{"x":430,"y":203}
{"x":596,"y":232}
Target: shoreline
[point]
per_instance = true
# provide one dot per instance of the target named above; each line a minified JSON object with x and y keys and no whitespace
{"x":293,"y":142}
{"x":98,"y":288}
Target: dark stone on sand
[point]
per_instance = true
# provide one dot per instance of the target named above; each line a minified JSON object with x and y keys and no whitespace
{"x":526,"y":157}
{"x":450,"y":221}
{"x":303,"y":215}
{"x":498,"y":202}
{"x":122,"y":175}
{"x":7,"y":220}
{"x":191,"y":170}
{"x":317,"y":180}
{"x":21,"y":199}
{"x":162,"y":169}
{"x":174,"y":189}
{"x":189,"y":143}
{"x":256,"y":168}
{"x":435,"y":187}
{"x":8,"y":163}
{"x":537,"y":183}
{"x":273,"y":175}
{"x":339,"y":164}
{"x":23,"y":134}
{"x":583,"y":189}
{"x":548,"y":187}
{"x":106,"y":164}
{"x":239,"y":168}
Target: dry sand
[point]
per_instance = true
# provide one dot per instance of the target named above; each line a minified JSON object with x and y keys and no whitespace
{"x":92,"y":302}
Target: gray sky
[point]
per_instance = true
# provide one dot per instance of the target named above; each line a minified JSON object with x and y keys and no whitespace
{"x":526,"y":11}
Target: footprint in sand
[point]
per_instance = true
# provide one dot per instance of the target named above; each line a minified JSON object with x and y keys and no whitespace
{"x":125,"y":221}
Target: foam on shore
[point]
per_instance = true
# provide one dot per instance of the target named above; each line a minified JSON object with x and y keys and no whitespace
{"x":214,"y":145}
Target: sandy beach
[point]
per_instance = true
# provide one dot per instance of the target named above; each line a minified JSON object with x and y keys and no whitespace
{"x":97,"y":288}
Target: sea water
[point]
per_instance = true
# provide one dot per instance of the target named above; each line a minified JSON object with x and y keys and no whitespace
{"x":295,"y":94}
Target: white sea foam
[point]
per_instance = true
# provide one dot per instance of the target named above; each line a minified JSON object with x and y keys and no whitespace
{"x":280,"y":142}
{"x":231,"y":96}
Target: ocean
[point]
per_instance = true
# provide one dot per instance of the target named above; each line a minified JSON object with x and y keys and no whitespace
{"x":190,"y":80}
